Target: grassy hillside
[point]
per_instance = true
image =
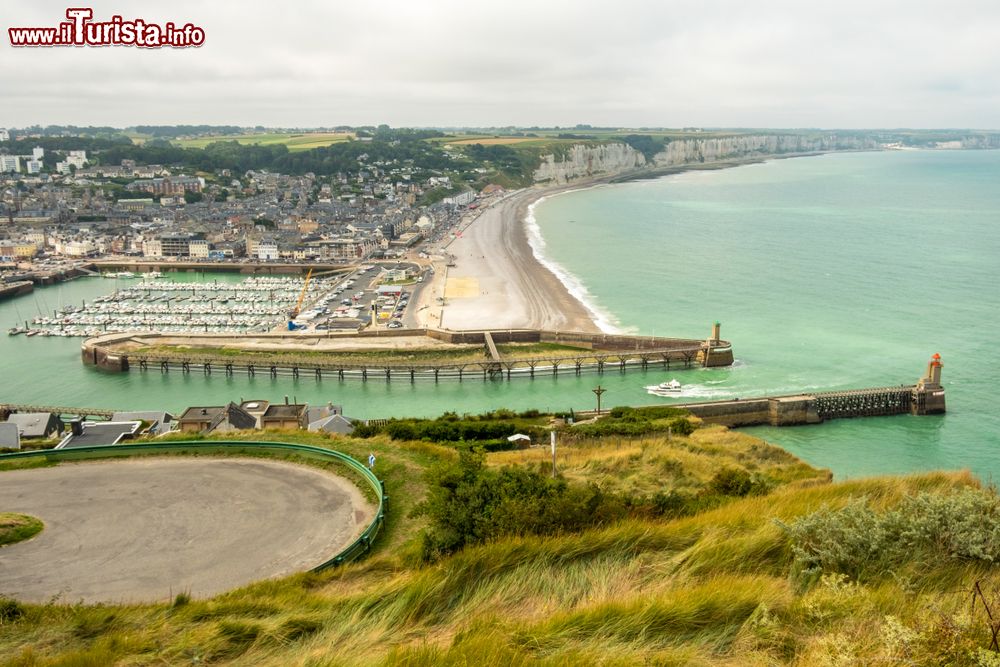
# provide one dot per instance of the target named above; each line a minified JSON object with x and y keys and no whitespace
{"x":785,"y":569}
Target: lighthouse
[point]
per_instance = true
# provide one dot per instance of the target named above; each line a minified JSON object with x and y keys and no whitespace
{"x":928,"y":394}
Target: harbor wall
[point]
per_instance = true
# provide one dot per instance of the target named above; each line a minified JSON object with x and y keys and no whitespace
{"x":8,"y":290}
{"x":110,"y":352}
{"x":278,"y":268}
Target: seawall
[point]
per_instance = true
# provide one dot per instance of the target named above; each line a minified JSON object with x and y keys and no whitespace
{"x":325,"y":353}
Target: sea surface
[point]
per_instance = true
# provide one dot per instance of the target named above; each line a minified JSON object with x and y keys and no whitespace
{"x":827,"y":272}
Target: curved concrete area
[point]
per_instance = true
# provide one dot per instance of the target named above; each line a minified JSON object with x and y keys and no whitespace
{"x":146,"y":529}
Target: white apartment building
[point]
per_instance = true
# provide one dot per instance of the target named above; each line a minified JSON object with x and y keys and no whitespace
{"x":267,"y":250}
{"x":10,"y":163}
{"x":152,"y":248}
{"x":77,"y":158}
{"x":198,"y":248}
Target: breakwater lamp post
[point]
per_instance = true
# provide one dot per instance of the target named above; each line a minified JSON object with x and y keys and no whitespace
{"x":599,"y":391}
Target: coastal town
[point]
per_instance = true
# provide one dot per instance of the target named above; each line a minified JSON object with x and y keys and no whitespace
{"x":71,"y":206}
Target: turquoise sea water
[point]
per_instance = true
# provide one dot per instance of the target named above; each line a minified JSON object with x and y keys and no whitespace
{"x":828,"y":272}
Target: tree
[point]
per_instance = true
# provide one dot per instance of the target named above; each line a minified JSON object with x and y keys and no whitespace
{"x":192,"y":197}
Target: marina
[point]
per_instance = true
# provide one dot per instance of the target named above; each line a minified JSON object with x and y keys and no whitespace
{"x":254,"y":305}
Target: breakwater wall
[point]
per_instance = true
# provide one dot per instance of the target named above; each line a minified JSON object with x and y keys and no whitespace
{"x":922,"y":398}
{"x":17,"y":288}
{"x":270,"y":354}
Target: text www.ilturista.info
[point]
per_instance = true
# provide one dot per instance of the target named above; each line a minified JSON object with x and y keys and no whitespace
{"x":80,"y":30}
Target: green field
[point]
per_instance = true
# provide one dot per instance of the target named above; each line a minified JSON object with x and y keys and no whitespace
{"x":295,"y":142}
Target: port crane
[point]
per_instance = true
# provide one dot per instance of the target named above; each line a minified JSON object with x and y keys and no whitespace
{"x":294,"y":312}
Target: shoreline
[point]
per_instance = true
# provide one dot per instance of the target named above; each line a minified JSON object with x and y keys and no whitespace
{"x":500,"y":278}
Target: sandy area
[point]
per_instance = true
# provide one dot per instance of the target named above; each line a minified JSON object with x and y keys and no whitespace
{"x":496,"y":281}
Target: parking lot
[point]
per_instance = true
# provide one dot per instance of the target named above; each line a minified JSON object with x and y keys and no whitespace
{"x":146,"y":529}
{"x":349,"y":304}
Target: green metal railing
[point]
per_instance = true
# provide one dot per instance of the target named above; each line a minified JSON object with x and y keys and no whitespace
{"x":359,"y":547}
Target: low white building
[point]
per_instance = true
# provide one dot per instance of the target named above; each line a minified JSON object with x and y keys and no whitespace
{"x":76,"y":248}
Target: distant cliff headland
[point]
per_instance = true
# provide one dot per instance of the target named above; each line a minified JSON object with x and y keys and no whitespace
{"x":452,"y":161}
{"x":643,"y":154}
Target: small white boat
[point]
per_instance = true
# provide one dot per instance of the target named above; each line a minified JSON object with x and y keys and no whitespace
{"x":671,"y":388}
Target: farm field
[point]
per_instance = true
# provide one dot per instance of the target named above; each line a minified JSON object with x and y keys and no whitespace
{"x":295,"y":142}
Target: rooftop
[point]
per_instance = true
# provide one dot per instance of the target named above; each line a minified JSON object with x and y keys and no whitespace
{"x":103,"y":433}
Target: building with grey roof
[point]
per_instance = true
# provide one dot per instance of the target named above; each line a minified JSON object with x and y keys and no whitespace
{"x":159,"y":421}
{"x":230,"y":417}
{"x":333,"y":424}
{"x":36,"y":424}
{"x":93,"y":434}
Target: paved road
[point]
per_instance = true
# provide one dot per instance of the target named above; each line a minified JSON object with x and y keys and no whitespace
{"x":147,"y":529}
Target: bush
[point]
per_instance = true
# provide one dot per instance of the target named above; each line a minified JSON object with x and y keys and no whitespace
{"x":861,"y":543}
{"x":468,"y":503}
{"x":450,"y":428}
{"x":738,"y":482}
{"x":10,"y":610}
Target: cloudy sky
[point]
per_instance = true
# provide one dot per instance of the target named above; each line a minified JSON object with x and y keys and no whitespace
{"x":731,"y":63}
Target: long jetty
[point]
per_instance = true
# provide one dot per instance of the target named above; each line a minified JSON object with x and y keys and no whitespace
{"x":597,"y":353}
{"x":926,"y":397}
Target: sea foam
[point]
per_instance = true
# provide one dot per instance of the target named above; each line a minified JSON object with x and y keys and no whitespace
{"x":604,"y":321}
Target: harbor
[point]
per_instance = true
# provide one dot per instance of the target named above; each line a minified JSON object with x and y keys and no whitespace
{"x":150,"y":304}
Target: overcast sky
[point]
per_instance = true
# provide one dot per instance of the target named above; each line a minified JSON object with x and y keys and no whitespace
{"x":741,"y":63}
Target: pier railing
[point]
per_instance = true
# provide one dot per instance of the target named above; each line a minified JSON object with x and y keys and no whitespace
{"x":290,"y":365}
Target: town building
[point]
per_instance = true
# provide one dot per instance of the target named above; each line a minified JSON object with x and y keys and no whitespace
{"x":287,"y":415}
{"x":216,"y":419}
{"x":36,"y":425}
{"x":98,"y":434}
{"x":10,"y":163}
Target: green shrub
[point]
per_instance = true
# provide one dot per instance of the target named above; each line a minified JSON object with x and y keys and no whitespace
{"x":738,"y":482}
{"x":10,"y":610}
{"x":450,"y":428}
{"x":468,"y":503}
{"x":862,"y":543}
